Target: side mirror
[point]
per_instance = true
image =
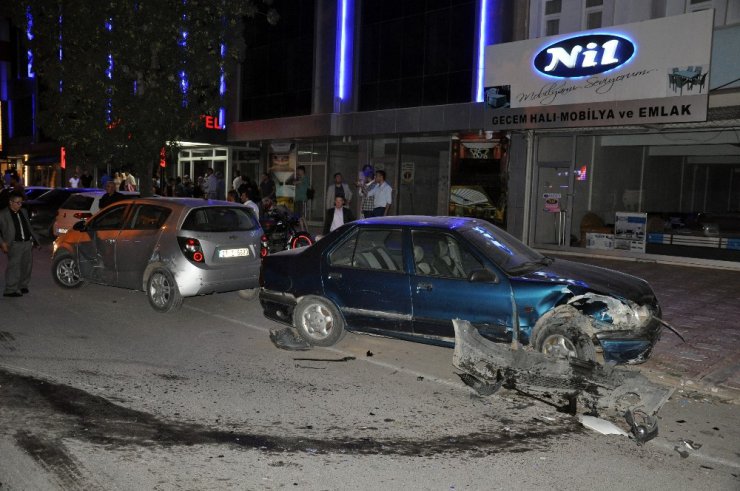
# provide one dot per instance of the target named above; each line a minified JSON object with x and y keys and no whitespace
{"x":80,"y":226}
{"x":482,"y":276}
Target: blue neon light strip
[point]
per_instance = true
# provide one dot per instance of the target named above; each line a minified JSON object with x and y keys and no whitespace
{"x":482,"y":42}
{"x":29,"y":36}
{"x":344,"y":49}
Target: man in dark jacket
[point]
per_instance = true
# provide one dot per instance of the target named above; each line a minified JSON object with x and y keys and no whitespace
{"x":337,"y":216}
{"x":17,"y":238}
{"x":111,"y":195}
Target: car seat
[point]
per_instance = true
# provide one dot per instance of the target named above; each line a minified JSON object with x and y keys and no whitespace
{"x":457,"y":267}
{"x":421,"y":266}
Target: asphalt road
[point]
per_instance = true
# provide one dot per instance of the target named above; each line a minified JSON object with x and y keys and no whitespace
{"x":97,"y":391}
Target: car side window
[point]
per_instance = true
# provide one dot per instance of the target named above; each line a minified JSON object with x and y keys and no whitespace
{"x":112,"y":219}
{"x":441,"y":254}
{"x":371,"y":249}
{"x":148,"y":217}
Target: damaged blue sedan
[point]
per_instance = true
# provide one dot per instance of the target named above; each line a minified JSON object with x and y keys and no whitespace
{"x":409,"y":276}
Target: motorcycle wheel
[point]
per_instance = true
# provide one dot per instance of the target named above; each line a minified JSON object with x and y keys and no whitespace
{"x":301,"y":240}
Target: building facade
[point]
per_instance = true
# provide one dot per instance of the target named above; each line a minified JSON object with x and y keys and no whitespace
{"x":401,"y":88}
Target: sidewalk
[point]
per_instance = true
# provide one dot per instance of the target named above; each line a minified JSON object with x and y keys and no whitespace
{"x":703,"y":304}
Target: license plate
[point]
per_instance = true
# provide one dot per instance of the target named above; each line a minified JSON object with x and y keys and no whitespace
{"x":61,"y":231}
{"x":233,"y":252}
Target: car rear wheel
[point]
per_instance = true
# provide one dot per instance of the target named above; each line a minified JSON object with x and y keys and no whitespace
{"x":318,"y":321}
{"x":65,"y":272}
{"x":164,"y":296}
{"x":560,"y":336}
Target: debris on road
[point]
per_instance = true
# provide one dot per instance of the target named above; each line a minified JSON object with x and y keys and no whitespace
{"x":601,"y":425}
{"x":288,"y":339}
{"x":563,"y":382}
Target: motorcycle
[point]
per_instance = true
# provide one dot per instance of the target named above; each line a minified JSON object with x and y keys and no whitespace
{"x":282,"y":230}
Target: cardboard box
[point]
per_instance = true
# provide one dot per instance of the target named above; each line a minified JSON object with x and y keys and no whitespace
{"x":599,"y":241}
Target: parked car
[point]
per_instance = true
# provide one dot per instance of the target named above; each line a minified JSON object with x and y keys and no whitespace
{"x":80,"y":206}
{"x":43,"y":210}
{"x":33,"y":192}
{"x":170,"y":248}
{"x":409,"y":276}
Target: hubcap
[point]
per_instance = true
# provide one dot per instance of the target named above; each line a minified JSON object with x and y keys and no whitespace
{"x":318,"y":321}
{"x":559,"y":345}
{"x":67,"y":272}
{"x":160,"y":290}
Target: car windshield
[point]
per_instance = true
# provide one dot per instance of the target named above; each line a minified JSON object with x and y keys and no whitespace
{"x":506,"y":251}
{"x":220,"y":219}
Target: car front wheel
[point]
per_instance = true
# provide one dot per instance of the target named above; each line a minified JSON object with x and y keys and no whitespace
{"x":65,"y":271}
{"x":318,"y":321}
{"x":164,"y":296}
{"x":559,"y":336}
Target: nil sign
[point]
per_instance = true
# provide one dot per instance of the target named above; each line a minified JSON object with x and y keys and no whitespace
{"x":581,"y":56}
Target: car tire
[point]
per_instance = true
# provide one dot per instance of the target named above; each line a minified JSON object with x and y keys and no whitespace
{"x":558,"y":335}
{"x":162,"y":291}
{"x":301,"y":240}
{"x":66,"y":272}
{"x":249,"y":294}
{"x":318,"y":321}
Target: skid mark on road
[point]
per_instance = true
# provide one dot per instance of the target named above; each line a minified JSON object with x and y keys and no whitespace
{"x":61,"y":411}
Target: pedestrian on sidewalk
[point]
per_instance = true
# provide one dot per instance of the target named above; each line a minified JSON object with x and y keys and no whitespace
{"x":17,"y":241}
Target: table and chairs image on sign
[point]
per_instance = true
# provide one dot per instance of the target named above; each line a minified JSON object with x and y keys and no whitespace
{"x":687,"y":79}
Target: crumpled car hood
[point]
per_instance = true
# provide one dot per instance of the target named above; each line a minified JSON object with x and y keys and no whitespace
{"x":593,"y":278}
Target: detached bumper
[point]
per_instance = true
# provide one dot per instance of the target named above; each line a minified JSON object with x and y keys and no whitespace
{"x":633,"y":346}
{"x":278,"y":306}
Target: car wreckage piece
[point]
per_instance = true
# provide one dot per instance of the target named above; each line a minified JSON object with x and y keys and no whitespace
{"x":568,"y":383}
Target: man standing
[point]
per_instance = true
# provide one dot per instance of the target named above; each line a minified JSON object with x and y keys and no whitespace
{"x":339,"y":188}
{"x":247,"y":201}
{"x":18,"y":240}
{"x":111,"y":195}
{"x":301,"y":191}
{"x":337,"y":216}
{"x":211,"y":184}
{"x":382,"y":194}
{"x":267,"y":187}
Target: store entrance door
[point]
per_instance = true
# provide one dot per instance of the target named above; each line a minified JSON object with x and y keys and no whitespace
{"x":552,"y":202}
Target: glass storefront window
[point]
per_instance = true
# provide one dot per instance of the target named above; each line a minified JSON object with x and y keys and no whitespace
{"x":682,"y":189}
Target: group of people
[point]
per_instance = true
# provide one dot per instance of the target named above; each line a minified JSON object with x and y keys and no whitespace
{"x":377,"y":197}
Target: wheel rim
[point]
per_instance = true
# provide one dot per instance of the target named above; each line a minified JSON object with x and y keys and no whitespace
{"x":559,"y":345}
{"x":301,"y":241}
{"x":160,"y":290}
{"x":317,"y":321}
{"x":67,"y":272}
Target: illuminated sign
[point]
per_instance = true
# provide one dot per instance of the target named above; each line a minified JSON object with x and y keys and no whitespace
{"x":63,"y":158}
{"x":212,"y":122}
{"x":582,"y":56}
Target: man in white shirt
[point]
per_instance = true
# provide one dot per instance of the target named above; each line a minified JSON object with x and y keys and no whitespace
{"x":382,"y":194}
{"x":238,"y":181}
{"x":247,"y":201}
{"x":337,"y":216}
{"x":74,"y":181}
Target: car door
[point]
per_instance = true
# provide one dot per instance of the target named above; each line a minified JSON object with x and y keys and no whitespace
{"x":442,"y":290}
{"x":97,"y":255}
{"x":137,"y":241}
{"x":364,"y":275}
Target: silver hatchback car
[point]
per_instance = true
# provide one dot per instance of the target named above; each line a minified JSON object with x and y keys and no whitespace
{"x":170,"y":248}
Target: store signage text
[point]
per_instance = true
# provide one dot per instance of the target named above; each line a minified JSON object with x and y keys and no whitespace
{"x":581,"y":56}
{"x":211,"y":122}
{"x":672,"y":110}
